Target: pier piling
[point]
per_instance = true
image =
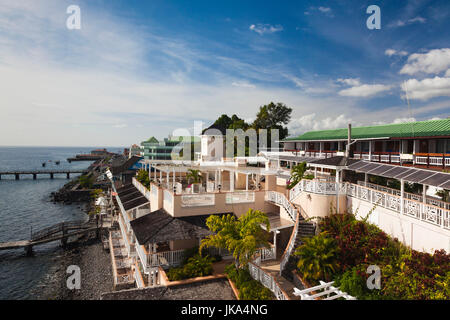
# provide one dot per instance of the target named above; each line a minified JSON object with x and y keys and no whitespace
{"x":17,"y":176}
{"x":51,"y":175}
{"x":68,"y":175}
{"x":34,"y":176}
{"x":29,"y":250}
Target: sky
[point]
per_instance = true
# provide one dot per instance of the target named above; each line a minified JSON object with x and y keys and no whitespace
{"x":137,"y":69}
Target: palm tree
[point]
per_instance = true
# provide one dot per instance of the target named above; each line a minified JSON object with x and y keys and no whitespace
{"x":194,"y":175}
{"x":242,"y":237}
{"x":318,"y":258}
{"x":297,"y":173}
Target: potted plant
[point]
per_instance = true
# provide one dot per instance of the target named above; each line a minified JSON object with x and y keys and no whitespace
{"x":196,"y":177}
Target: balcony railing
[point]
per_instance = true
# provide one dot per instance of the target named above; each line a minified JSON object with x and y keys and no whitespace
{"x":412,"y":208}
{"x":166,"y":258}
{"x":410,"y":196}
{"x":240,"y":197}
{"x":197,"y":200}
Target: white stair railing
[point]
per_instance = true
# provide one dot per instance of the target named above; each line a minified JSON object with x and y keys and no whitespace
{"x":324,"y":289}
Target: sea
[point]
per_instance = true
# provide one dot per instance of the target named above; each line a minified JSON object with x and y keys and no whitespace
{"x":24,"y":206}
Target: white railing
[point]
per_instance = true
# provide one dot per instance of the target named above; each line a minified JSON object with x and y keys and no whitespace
{"x":267,"y":253}
{"x":295,"y":191}
{"x":280,"y":199}
{"x":141,"y":188}
{"x":410,"y":196}
{"x":266,"y":280}
{"x":419,"y":210}
{"x":138,"y":278}
{"x":240,"y":197}
{"x":142,"y":256}
{"x":166,"y":258}
{"x":317,"y":186}
{"x":433,"y":161}
{"x":324,"y":289}
{"x":197,"y":200}
{"x":290,"y":247}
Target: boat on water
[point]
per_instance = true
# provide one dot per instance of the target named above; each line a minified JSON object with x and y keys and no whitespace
{"x":44,"y":164}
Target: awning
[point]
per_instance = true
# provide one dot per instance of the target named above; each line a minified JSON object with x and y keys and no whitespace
{"x":410,"y":174}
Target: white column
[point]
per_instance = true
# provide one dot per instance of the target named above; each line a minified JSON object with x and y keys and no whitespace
{"x":231,"y":181}
{"x":315,"y":172}
{"x":370,"y":150}
{"x":337,"y":189}
{"x":168,"y":178}
{"x":402,"y":195}
{"x":246,"y":182}
{"x":366,"y":179}
{"x":424,"y":194}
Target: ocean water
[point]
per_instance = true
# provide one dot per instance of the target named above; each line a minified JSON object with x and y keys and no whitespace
{"x":26,"y":204}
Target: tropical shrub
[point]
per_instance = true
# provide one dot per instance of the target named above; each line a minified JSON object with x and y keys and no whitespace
{"x":242,"y":237}
{"x":317,"y":258}
{"x":196,"y":266}
{"x":143,"y":177}
{"x":405,"y":273}
{"x":249,"y":289}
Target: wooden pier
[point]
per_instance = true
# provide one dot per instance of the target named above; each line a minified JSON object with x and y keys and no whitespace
{"x":60,"y":231}
{"x":35,"y":173}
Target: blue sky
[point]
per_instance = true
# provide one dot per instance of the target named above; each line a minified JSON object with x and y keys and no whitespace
{"x":143,"y":68}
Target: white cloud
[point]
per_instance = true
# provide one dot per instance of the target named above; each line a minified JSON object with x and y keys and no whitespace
{"x":432,"y":62}
{"x":402,"y":23}
{"x":310,"y":122}
{"x":265,"y":28}
{"x":447,"y":73}
{"x":350,"y":81}
{"x":364,"y":90}
{"x":324,"y":9}
{"x":427,"y":88}
{"x":392,"y":52}
{"x":243,"y":84}
{"x":404,"y":120}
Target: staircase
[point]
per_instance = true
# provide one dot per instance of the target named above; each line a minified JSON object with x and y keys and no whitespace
{"x":305,"y":230}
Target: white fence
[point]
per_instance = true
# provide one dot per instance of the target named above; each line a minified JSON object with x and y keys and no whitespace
{"x":197,"y":200}
{"x":166,"y":258}
{"x":240,"y":197}
{"x":326,"y":290}
{"x":419,"y":210}
{"x":267,"y":253}
{"x":266,"y":280}
{"x":280,"y":199}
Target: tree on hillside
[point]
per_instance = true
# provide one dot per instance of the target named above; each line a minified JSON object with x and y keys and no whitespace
{"x":273,"y":116}
{"x":241,"y":237}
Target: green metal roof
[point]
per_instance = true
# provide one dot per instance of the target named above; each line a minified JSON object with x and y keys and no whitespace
{"x":428,"y":128}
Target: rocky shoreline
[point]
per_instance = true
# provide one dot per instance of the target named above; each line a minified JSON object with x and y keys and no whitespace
{"x":95,"y":267}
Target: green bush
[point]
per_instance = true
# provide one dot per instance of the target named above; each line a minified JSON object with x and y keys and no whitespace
{"x":405,"y":273}
{"x":196,"y":266}
{"x":249,"y":289}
